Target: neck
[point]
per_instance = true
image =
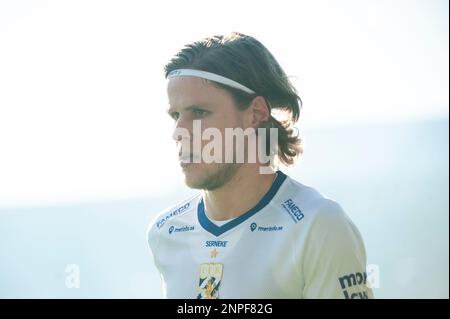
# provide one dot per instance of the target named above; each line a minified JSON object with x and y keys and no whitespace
{"x":245,"y":189}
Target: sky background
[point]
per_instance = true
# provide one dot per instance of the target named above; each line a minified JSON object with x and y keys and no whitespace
{"x":82,"y":92}
{"x":87,"y":160}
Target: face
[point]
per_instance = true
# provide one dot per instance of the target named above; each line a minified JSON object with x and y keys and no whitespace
{"x":192,"y":98}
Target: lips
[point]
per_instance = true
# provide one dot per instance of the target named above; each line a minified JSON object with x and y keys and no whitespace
{"x":185,"y":159}
{"x":188,"y":159}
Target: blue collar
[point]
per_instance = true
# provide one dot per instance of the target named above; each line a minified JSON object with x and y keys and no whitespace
{"x":219,"y":230}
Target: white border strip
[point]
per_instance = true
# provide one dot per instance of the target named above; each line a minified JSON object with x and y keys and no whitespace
{"x":209,"y":76}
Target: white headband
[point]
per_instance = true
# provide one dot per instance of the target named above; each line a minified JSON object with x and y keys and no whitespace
{"x":209,"y":76}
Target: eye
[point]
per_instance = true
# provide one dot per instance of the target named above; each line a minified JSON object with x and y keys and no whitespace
{"x":174,"y":115}
{"x":199,"y":113}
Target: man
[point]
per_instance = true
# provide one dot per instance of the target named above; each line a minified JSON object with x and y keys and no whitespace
{"x":252,"y":231}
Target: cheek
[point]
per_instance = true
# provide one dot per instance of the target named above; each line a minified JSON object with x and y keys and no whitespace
{"x":229,"y":120}
{"x":216,"y":122}
{"x":221,"y":122}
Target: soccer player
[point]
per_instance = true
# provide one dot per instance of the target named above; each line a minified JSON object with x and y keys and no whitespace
{"x":252,"y":231}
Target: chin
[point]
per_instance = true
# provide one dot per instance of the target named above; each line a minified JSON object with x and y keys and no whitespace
{"x":195,"y":182}
{"x":194,"y":176}
{"x":199,"y":177}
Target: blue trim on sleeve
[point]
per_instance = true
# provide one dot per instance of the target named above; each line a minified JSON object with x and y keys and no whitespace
{"x":216,"y":230}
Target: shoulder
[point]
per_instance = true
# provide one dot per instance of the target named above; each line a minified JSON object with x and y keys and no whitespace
{"x":328,"y":229}
{"x":173,"y":212}
{"x":320,"y":215}
{"x":307,"y":201}
{"x":311,"y":199}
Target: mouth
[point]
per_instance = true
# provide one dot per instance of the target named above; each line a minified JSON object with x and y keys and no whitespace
{"x":188,"y":159}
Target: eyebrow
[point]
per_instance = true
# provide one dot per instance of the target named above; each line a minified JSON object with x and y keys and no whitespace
{"x":188,"y":108}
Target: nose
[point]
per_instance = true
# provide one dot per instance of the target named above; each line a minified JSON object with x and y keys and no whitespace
{"x":182,"y":130}
{"x":182,"y":136}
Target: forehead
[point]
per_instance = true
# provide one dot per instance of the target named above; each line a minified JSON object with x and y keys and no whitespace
{"x":187,"y":90}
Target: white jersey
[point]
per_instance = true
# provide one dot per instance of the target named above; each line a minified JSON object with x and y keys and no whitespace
{"x":295,"y":243}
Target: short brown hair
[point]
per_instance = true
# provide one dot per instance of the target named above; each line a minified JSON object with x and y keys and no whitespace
{"x":245,"y":60}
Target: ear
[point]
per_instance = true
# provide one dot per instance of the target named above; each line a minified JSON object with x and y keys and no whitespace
{"x":259,"y":112}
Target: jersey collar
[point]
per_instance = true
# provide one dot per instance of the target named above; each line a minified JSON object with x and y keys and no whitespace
{"x":216,"y":230}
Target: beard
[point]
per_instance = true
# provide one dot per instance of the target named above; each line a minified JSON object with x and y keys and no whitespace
{"x":212,"y":180}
